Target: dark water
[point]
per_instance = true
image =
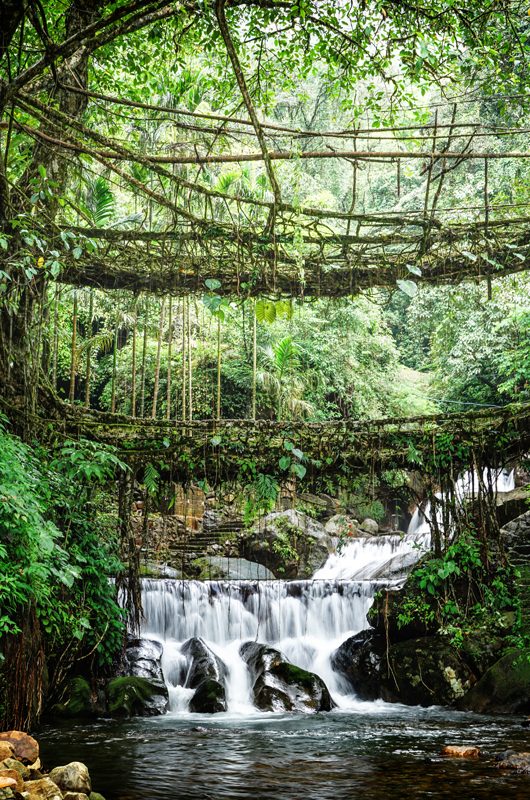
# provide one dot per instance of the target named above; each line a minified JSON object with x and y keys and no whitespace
{"x":380,"y":752}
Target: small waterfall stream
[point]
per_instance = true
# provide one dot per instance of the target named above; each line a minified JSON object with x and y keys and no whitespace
{"x":305,"y":619}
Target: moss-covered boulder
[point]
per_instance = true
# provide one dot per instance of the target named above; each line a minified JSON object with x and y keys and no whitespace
{"x":426,"y":671}
{"x":78,"y":700}
{"x":131,"y":696}
{"x":278,"y":685}
{"x":504,"y":688}
{"x":289,"y":543}
{"x":209,"y":697}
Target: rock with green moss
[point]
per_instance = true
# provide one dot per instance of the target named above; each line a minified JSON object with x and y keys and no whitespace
{"x":289,"y":543}
{"x":209,"y":697}
{"x":504,"y":688}
{"x":78,"y":700}
{"x":131,"y":696}
{"x":95,"y":796}
{"x":426,"y":671}
{"x":278,"y":685}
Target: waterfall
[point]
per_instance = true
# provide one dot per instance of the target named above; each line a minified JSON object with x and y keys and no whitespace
{"x":305,"y":620}
{"x":502,"y":480}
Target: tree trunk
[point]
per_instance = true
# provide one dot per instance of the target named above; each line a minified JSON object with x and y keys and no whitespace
{"x":254,"y":359}
{"x":89,"y":350}
{"x":184,"y":359}
{"x":169,"y":344}
{"x":113,"y":380}
{"x":144,"y":355}
{"x":218,"y":407}
{"x":157,"y":364}
{"x":73,"y":352}
{"x":133,"y":366}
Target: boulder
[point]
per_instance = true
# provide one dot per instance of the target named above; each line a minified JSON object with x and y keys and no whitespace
{"x":520,"y":762}
{"x":203,"y":663}
{"x":278,"y":685}
{"x":72,"y":777}
{"x":18,"y":766}
{"x":96,"y":796}
{"x":143,"y":659}
{"x":11,"y":775}
{"x":427,"y":671}
{"x":6,"y":793}
{"x":290,"y":543}
{"x":6,"y":750}
{"x":78,"y":700}
{"x":7,"y":782}
{"x":132,"y":696}
{"x":206,"y":674}
{"x":460,"y":751}
{"x":369,"y":526}
{"x":25,"y":747}
{"x":209,"y":697}
{"x":361,"y":660}
{"x":42,"y":789}
{"x":75,"y":796}
{"x":232,"y":569}
{"x":504,"y":688}
{"x":342,"y":524}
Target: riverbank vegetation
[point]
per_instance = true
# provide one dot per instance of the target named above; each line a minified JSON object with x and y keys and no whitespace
{"x":281,"y":214}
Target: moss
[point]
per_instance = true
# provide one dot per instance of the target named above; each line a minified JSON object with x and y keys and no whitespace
{"x":504,"y":688}
{"x":292,"y":674}
{"x":128,"y":695}
{"x":78,"y":702}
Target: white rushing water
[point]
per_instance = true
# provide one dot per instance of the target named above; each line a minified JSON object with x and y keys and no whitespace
{"x":305,"y":620}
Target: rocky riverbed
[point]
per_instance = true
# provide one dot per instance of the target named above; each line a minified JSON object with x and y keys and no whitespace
{"x":23,"y":776}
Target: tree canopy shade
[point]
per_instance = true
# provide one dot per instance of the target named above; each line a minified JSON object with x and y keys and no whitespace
{"x":166,"y":141}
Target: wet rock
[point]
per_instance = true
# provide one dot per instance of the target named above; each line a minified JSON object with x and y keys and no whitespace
{"x":278,"y":685}
{"x":203,"y":663}
{"x":96,"y":796}
{"x":25,"y":747}
{"x":206,"y":674}
{"x":361,"y":660}
{"x":72,"y":777}
{"x":209,"y":697}
{"x":460,"y":751}
{"x":6,"y":793}
{"x":143,"y":659}
{"x":132,"y":696}
{"x":369,"y":526}
{"x":520,"y":762}
{"x":75,"y":796}
{"x":290,"y":543}
{"x":42,"y":789}
{"x":504,"y":688}
{"x":8,"y":782}
{"x":11,"y":775}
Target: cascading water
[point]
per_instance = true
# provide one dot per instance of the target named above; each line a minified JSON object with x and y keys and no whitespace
{"x":502,"y":480}
{"x":305,"y":620}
